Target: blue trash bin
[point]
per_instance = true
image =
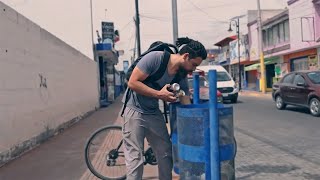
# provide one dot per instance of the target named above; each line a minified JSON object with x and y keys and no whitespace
{"x":194,"y":141}
{"x":174,"y":135}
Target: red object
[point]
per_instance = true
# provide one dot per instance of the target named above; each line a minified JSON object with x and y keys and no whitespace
{"x":116,"y":39}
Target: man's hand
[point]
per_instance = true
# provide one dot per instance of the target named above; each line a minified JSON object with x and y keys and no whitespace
{"x":166,"y":95}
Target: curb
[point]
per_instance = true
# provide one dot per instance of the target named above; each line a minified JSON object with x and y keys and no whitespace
{"x":256,"y":94}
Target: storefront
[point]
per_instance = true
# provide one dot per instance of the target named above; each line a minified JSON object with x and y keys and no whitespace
{"x":225,"y":64}
{"x":234,"y":72}
{"x":107,"y":58}
{"x":253,"y":73}
{"x":304,"y":60}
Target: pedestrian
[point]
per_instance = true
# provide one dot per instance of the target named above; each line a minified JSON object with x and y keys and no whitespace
{"x":142,"y":116}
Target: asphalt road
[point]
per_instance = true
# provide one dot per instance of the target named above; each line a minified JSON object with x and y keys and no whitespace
{"x":274,"y":144}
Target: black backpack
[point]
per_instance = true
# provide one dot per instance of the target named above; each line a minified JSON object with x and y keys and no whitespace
{"x":156,"y":46}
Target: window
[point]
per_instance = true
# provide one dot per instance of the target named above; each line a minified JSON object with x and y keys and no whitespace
{"x":301,"y":64}
{"x":314,"y":77}
{"x":201,"y":82}
{"x":281,"y":32}
{"x":288,"y":78}
{"x":222,"y":76}
{"x":270,"y":37}
{"x":264,"y":33}
{"x":286,"y":31}
{"x":298,"y":79}
{"x":275,"y":33}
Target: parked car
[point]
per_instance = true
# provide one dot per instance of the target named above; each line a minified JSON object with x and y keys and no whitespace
{"x":225,"y":83}
{"x":300,"y":88}
{"x":204,"y":89}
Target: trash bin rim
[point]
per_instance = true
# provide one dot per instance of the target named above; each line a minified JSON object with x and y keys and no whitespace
{"x":189,"y":106}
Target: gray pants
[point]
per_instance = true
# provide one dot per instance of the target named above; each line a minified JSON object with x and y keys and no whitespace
{"x":138,"y":126}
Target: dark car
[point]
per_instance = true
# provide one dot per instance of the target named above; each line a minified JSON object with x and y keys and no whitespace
{"x":300,"y":88}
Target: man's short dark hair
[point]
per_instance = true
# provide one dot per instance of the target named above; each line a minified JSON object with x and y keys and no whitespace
{"x":194,"y":48}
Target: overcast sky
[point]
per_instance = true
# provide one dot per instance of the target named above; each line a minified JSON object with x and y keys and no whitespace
{"x":203,"y":20}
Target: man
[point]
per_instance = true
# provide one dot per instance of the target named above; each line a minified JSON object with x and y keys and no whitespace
{"x":142,"y":117}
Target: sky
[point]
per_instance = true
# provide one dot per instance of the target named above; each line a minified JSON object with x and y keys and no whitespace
{"x":204,"y":20}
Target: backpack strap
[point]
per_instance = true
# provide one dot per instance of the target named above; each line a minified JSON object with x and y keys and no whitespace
{"x":152,"y":79}
{"x":161,"y":70}
{"x":181,"y":74}
{"x":125,"y":101}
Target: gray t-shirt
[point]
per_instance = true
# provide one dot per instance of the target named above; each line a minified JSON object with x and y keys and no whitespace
{"x":149,"y":64}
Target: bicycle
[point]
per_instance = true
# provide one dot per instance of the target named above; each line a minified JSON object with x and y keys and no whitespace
{"x":105,"y":160}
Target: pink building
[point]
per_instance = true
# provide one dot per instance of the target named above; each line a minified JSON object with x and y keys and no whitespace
{"x":276,"y":39}
{"x":305,"y":35}
{"x":290,"y":42}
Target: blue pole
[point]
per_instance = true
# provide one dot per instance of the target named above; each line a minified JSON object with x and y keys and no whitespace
{"x":214,"y":127}
{"x":196,"y":88}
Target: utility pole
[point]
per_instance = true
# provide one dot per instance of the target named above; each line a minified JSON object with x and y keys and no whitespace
{"x":239,"y":65}
{"x":138,"y":28}
{"x":262,"y":66}
{"x":175,"y":21}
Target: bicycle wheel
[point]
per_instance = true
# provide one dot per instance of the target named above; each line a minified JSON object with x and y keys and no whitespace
{"x":104,"y":154}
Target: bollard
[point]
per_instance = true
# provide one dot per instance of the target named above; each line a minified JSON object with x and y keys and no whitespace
{"x":214,"y":127}
{"x":174,"y":135}
{"x":196,"y":88}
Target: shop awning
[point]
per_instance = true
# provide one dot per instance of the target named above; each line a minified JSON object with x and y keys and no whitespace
{"x":107,"y":52}
{"x":257,"y":65}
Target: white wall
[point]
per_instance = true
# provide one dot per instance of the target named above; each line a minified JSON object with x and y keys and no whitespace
{"x":30,"y":113}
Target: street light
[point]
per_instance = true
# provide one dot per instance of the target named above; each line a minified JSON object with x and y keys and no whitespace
{"x":236,"y":23}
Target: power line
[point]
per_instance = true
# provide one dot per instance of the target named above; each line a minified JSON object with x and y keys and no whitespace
{"x":217,"y":6}
{"x":198,"y":8}
{"x":132,"y":34}
{"x":155,"y":18}
{"x":125,"y":26}
{"x":164,"y":19}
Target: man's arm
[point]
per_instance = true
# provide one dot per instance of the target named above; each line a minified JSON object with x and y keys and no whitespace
{"x":135,"y":84}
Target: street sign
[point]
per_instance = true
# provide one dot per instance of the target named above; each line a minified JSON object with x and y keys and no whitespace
{"x":107,"y":31}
